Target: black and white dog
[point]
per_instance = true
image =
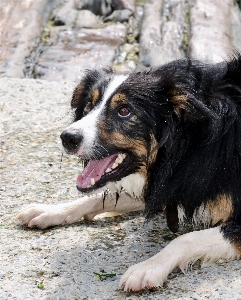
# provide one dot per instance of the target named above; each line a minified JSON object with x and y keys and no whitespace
{"x":165,"y":138}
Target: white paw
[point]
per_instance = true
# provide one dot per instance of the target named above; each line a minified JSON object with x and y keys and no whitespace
{"x":145,"y":275}
{"x":42,"y":215}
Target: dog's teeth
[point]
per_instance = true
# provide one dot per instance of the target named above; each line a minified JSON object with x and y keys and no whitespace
{"x":92,"y":181}
{"x":114,"y":165}
{"x":120,"y":158}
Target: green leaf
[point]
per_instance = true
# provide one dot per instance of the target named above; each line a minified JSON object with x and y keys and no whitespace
{"x":104,"y":276}
{"x":40,"y":285}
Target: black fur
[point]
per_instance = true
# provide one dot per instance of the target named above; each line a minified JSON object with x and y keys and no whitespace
{"x":200,"y":158}
{"x":194,"y":111}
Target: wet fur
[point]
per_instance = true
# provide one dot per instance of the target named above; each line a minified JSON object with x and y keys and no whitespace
{"x":193,"y":111}
{"x":184,"y":144}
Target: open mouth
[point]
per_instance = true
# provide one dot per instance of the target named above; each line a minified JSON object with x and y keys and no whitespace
{"x":98,"y":172}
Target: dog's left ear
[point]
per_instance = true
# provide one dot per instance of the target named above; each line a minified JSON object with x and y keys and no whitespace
{"x":190,"y":106}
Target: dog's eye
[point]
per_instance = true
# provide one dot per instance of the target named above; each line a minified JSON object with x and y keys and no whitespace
{"x":88,"y":107}
{"x":124,"y":112}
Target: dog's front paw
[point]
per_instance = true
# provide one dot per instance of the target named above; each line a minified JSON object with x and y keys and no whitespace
{"x":145,"y":275}
{"x":42,"y":215}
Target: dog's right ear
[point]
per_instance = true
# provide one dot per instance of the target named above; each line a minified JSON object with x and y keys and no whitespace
{"x":82,"y":92}
{"x":79,"y":98}
{"x":79,"y":94}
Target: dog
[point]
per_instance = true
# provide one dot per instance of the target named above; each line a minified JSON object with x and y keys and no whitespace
{"x":165,"y":138}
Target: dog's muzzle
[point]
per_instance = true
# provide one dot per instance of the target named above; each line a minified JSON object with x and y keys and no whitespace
{"x":71,"y":139}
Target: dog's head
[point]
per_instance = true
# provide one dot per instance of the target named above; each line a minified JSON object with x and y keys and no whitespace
{"x":120,"y":122}
{"x":114,"y":131}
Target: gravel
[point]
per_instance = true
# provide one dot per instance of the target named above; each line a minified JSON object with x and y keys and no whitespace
{"x":62,"y":260}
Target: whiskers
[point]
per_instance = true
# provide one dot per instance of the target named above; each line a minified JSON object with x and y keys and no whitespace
{"x":83,"y":163}
{"x":106,"y":152}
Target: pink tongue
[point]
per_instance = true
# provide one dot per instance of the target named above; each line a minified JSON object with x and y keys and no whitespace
{"x":95,"y":169}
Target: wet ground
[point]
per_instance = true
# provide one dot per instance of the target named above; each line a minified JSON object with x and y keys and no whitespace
{"x":56,"y":40}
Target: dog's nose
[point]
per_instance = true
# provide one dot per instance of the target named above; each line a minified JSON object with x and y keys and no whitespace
{"x":71,"y":139}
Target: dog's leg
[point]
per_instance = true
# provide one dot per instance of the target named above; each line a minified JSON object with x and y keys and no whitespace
{"x":207,"y":245}
{"x":43,"y":215}
{"x":172,"y":217}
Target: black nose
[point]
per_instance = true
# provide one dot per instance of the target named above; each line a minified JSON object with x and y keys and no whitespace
{"x":71,"y":139}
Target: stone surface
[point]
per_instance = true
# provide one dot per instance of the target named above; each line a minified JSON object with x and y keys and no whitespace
{"x":86,"y":19}
{"x":66,"y":14}
{"x":162,"y":32}
{"x":33,"y":113}
{"x":21,"y":25}
{"x":171,"y":29}
{"x":235,"y":20}
{"x":71,"y":51}
{"x":121,"y":15}
{"x":127,"y":58}
{"x":210,"y":30}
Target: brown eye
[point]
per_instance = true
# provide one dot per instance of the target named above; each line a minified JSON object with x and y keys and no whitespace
{"x":88,"y":107}
{"x":124,"y":112}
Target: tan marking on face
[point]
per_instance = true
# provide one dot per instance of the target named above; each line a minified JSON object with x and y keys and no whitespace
{"x":123,"y":142}
{"x":221,"y":209}
{"x":94,"y":96}
{"x":118,"y":99}
{"x":138,"y":147}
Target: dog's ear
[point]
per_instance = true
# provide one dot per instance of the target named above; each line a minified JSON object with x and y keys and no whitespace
{"x":79,"y":94}
{"x":82,"y":92}
{"x":79,"y":98}
{"x":190,"y":105}
{"x":82,"y":89}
